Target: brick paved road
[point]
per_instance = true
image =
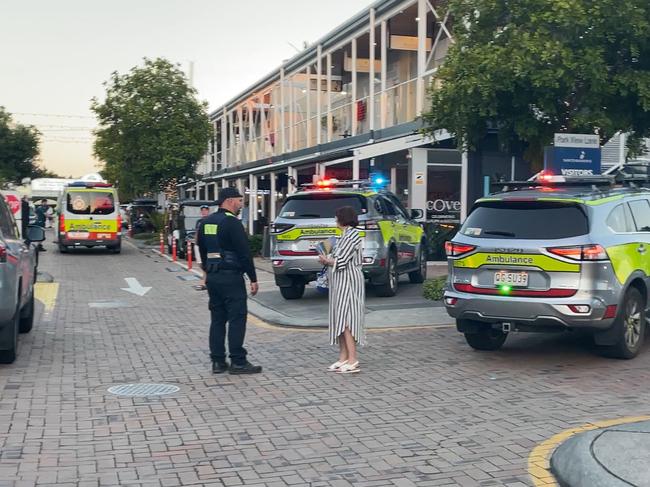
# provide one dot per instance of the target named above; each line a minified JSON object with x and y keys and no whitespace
{"x":425,"y":410}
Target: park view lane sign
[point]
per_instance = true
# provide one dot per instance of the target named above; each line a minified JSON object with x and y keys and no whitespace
{"x":574,"y":155}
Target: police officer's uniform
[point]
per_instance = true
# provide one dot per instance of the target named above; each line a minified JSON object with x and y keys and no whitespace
{"x":226,"y":257}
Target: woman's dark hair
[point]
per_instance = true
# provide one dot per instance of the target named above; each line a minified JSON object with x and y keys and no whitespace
{"x":347,"y":216}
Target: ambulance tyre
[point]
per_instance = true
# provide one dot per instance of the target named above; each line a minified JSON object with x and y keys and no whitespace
{"x":485,"y":338}
{"x":63,"y":249}
{"x":295,"y":291}
{"x":389,"y":287}
{"x":629,"y":327}
{"x":419,"y":276}
{"x":116,"y":249}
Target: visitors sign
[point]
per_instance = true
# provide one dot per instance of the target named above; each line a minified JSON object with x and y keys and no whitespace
{"x":574,"y":155}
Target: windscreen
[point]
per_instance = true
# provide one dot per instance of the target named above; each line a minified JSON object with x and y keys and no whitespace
{"x":320,"y":205}
{"x":90,"y":202}
{"x":526,"y":220}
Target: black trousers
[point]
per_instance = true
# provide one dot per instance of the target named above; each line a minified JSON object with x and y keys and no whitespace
{"x":227,"y":291}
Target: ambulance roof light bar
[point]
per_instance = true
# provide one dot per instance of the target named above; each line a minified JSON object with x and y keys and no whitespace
{"x":89,"y":184}
{"x":331,"y":183}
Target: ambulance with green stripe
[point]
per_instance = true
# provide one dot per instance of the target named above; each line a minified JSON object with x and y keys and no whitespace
{"x":393,"y":241}
{"x":554,"y":255}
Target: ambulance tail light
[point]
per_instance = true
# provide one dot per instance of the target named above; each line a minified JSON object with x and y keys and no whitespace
{"x":280,"y":227}
{"x":453,"y":249}
{"x":3,"y":253}
{"x":581,"y":252}
{"x":61,"y":223}
{"x":369,"y":225}
{"x":119,"y":223}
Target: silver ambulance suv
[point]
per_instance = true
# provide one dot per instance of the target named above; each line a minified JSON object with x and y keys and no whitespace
{"x":394,"y":243}
{"x":564,"y":254}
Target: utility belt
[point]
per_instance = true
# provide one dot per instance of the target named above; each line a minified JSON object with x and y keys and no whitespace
{"x":225,"y":261}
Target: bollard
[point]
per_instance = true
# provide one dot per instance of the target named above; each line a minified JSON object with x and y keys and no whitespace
{"x":162,"y":244}
{"x":190,"y":249}
{"x":130,"y":231}
{"x":174,"y":250}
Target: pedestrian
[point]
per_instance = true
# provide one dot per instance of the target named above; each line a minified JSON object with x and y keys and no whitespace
{"x":24,"y":216}
{"x":346,"y":292}
{"x":226,"y":257}
{"x":205,"y":211}
{"x":41,"y":217}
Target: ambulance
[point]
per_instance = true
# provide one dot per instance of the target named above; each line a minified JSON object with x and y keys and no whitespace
{"x":89,"y":216}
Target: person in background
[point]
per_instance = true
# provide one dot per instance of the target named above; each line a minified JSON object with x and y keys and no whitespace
{"x":41,"y":217}
{"x":245,"y":214}
{"x":205,"y":211}
{"x":24,"y":216}
{"x":226,"y":257}
{"x":346,"y":292}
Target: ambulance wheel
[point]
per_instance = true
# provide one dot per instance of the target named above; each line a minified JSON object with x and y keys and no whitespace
{"x":27,"y":316}
{"x":419,"y":276}
{"x":486,"y":338}
{"x":295,"y":291}
{"x":389,"y":288}
{"x":9,"y":339}
{"x":63,"y":249}
{"x":116,"y":249}
{"x":629,"y":327}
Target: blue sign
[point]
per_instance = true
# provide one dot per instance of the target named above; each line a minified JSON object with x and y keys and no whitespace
{"x":572,"y":161}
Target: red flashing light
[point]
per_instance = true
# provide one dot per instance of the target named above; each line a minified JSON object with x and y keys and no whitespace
{"x":546,"y":177}
{"x":324,"y":183}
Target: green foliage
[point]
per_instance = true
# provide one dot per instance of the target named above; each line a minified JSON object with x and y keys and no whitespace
{"x":530,"y":68}
{"x":152,"y":128}
{"x":18,"y":149}
{"x":434,"y":289}
{"x":158,"y":221}
{"x":146,"y":236}
{"x":255,"y":242}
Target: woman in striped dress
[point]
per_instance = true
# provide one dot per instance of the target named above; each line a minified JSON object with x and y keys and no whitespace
{"x":346,"y":292}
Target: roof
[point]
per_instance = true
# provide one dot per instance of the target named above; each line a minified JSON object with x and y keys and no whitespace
{"x":330,"y":39}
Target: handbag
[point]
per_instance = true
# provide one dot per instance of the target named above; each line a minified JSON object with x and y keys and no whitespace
{"x":322,"y":281}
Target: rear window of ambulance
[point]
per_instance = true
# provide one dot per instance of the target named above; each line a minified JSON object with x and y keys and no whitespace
{"x":90,"y":202}
{"x":526,"y":220}
{"x":321,"y":205}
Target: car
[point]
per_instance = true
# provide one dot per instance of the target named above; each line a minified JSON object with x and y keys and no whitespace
{"x":88,"y":215}
{"x":18,"y":269}
{"x":140,"y":211}
{"x":554,"y":254}
{"x":393,"y":241}
{"x":182,"y":224}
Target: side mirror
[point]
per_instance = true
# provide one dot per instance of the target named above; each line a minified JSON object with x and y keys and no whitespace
{"x":417,"y":214}
{"x":35,"y":233}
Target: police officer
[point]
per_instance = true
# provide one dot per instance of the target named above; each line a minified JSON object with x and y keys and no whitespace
{"x":226,"y":257}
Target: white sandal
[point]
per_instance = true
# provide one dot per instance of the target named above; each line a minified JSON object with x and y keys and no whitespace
{"x":337,"y":365}
{"x":349,"y":368}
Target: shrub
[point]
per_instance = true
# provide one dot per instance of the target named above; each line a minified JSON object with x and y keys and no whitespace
{"x":434,"y":289}
{"x":255,"y":242}
{"x":145,"y":236}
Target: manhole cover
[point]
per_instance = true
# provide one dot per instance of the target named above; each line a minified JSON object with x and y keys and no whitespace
{"x":143,"y":390}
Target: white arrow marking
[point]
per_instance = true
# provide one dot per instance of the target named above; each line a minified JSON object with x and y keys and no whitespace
{"x":135,"y":287}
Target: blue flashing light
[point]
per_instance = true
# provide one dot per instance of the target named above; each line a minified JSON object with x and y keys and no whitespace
{"x":378,"y":180}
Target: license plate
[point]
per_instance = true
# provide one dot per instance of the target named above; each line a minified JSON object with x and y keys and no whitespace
{"x":519,"y":279}
{"x":78,"y":235}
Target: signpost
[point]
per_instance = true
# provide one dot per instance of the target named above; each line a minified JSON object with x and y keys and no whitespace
{"x":573,"y":155}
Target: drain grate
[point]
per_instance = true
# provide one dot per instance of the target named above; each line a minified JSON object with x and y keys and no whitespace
{"x":143,"y":390}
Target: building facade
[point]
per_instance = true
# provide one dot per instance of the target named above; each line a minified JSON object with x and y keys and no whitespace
{"x":347,"y":107}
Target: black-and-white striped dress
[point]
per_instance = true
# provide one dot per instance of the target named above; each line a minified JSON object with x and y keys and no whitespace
{"x":347,"y":297}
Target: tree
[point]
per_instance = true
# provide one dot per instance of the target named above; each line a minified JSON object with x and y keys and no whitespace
{"x":19,"y":146}
{"x":530,"y":68}
{"x":152,"y":129}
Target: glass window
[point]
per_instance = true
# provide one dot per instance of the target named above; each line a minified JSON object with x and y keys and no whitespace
{"x":387,"y":207}
{"x":90,"y":202}
{"x":7,"y":223}
{"x":526,"y":220}
{"x":320,"y":205}
{"x":401,"y":211}
{"x":641,"y":214}
{"x":619,"y":220}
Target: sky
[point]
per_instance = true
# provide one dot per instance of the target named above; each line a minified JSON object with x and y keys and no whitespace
{"x":56,"y":55}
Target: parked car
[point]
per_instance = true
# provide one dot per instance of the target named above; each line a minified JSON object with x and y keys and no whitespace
{"x":554,"y":255}
{"x":18,"y":267}
{"x":140,"y":212}
{"x":182,"y":224}
{"x":394,"y":242}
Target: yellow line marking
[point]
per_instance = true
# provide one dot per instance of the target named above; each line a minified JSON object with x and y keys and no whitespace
{"x":539,"y":467}
{"x":46,"y":293}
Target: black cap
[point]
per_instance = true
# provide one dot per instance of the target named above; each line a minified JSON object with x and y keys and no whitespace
{"x":226,"y":193}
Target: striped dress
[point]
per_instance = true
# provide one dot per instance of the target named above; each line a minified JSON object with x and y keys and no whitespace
{"x":346,"y":287}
